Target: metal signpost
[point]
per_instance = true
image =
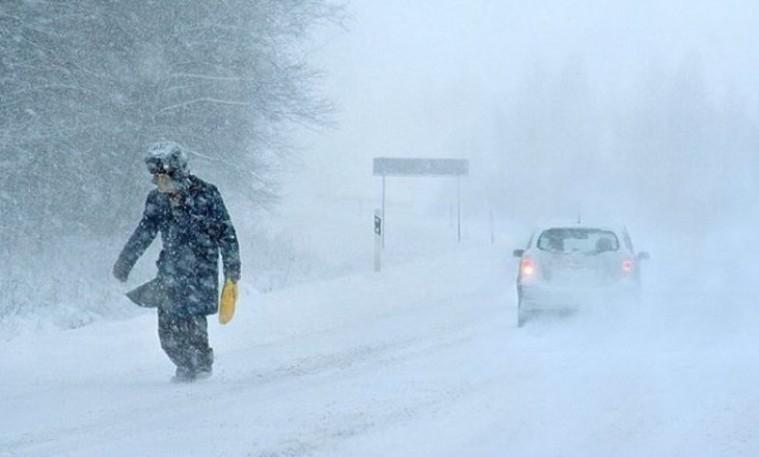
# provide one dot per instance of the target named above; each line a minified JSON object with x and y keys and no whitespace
{"x":384,"y":167}
{"x":377,"y":239}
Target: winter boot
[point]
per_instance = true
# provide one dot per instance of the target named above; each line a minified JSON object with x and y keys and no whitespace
{"x":183,"y":375}
{"x":204,"y":373}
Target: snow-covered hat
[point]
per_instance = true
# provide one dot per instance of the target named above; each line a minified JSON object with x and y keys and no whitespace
{"x":167,"y":157}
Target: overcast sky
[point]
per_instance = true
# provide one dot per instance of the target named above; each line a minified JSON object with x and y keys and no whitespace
{"x":435,"y":79}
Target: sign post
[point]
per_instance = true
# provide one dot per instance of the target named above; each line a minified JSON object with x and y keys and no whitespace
{"x":382,"y":235}
{"x":384,"y":167}
{"x":377,"y":239}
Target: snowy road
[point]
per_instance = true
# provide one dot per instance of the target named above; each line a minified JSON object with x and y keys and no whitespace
{"x":423,"y":359}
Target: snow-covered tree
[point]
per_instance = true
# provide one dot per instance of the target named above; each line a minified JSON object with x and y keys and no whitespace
{"x":86,"y":84}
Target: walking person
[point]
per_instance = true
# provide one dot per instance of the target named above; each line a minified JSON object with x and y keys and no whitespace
{"x":195,"y":227}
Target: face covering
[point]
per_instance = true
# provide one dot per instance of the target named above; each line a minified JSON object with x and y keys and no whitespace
{"x":165,"y":184}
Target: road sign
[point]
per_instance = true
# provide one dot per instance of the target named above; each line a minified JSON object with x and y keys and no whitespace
{"x":384,"y":166}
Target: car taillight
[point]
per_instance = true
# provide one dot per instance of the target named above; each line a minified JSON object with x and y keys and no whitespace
{"x":628,"y":266}
{"x":527,"y":267}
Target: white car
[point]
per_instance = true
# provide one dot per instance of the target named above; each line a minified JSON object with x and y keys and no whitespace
{"x":568,"y":266}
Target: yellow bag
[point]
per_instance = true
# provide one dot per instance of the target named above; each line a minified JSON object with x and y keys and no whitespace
{"x":228,"y":301}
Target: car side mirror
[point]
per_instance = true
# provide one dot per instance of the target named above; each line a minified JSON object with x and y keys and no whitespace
{"x":518,"y":252}
{"x":643,"y":255}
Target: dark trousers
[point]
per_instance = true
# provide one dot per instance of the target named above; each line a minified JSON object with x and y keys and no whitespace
{"x":185,"y":341}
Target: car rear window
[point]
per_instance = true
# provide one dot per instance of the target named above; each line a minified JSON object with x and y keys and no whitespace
{"x":578,"y":240}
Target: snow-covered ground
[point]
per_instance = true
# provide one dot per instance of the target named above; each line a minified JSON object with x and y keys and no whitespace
{"x":422,"y":359}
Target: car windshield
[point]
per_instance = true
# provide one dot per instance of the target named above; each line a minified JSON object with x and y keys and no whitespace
{"x":578,"y":241}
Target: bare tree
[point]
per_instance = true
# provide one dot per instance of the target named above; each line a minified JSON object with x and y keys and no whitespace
{"x":86,"y":84}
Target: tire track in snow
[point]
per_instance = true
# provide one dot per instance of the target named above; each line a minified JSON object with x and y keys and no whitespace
{"x":355,"y":361}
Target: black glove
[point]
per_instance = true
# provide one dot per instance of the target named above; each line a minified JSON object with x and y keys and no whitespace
{"x":120,"y":272}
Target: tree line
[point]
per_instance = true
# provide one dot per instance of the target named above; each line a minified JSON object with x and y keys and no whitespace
{"x":85,"y":85}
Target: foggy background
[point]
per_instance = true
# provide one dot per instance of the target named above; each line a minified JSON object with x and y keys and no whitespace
{"x":644,"y":109}
{"x":642,"y":113}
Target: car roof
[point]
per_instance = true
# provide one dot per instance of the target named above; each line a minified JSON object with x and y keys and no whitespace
{"x":616,"y":228}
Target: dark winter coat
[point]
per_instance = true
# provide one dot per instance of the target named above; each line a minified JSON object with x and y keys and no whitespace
{"x":193,"y":231}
